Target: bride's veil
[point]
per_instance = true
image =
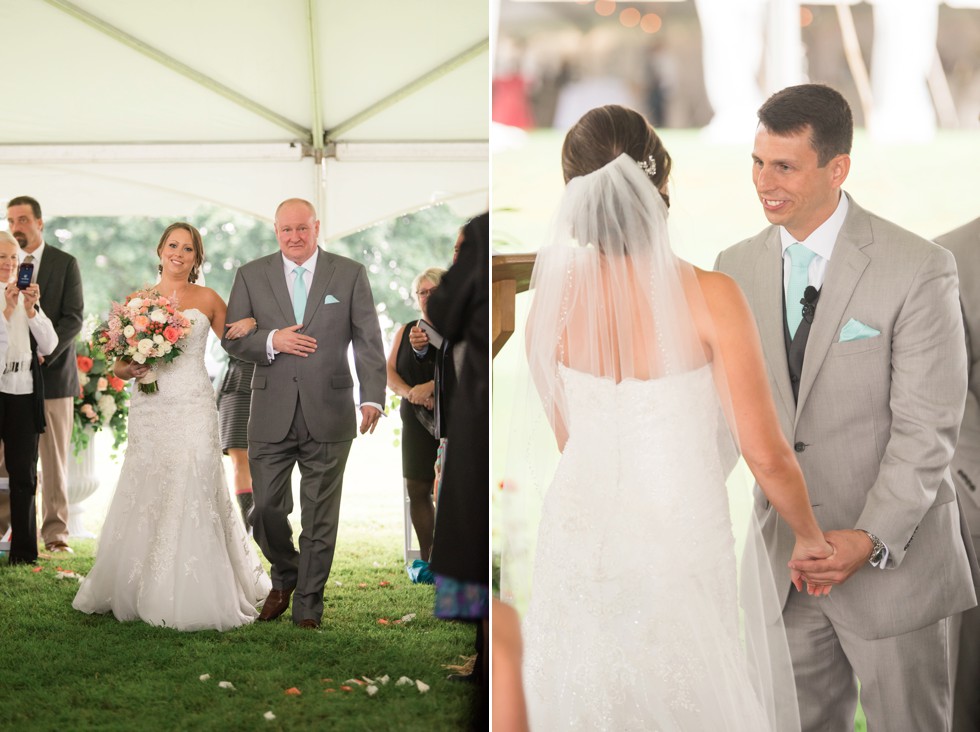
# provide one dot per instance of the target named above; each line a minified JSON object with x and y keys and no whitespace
{"x":611,"y":300}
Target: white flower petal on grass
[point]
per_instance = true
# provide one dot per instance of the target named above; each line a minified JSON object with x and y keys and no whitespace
{"x":376,"y":564}
{"x":422,"y":686}
{"x":404,"y":680}
{"x":408,"y":618}
{"x":384,"y":679}
{"x":338,"y":583}
{"x":372,"y":690}
{"x":204,"y":677}
{"x":269,"y":715}
{"x":68,"y":574}
{"x":370,"y":681}
{"x":227,"y":685}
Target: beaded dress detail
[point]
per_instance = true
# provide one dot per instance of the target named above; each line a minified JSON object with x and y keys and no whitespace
{"x":173,"y":550}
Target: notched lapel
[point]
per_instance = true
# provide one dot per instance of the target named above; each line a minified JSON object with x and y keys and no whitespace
{"x":325,"y":268}
{"x":847,"y":265}
{"x":770,"y":315}
{"x":280,"y":290}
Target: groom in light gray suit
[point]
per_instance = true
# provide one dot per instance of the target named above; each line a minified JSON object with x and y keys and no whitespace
{"x":964,"y":243}
{"x":309,"y":307}
{"x":863,"y":341}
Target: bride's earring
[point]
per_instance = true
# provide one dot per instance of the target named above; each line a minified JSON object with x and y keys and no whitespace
{"x":160,"y":268}
{"x":192,"y":278}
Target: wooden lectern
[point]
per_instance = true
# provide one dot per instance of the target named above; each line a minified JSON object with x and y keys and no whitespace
{"x":511,"y":275}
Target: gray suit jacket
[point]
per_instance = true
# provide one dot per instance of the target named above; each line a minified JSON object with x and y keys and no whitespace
{"x":877,"y":418}
{"x":322,"y":382}
{"x":964,"y":243}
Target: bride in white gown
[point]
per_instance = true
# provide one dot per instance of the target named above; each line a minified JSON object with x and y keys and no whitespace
{"x":645,"y":367}
{"x":173,"y":550}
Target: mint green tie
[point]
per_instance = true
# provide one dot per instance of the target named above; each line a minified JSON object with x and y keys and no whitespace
{"x":799,"y":277}
{"x":299,"y":295}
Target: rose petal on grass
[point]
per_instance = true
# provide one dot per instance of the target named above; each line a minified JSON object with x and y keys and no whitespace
{"x":329,"y":691}
{"x":338,"y":583}
{"x":269,"y":715}
{"x":354,"y":681}
{"x":226,"y":685}
{"x":327,"y":681}
{"x":292,"y":691}
{"x":362,"y":585}
{"x":376,"y":564}
{"x":367,"y":680}
{"x":384,"y":583}
{"x":422,"y":686}
{"x":372,"y":690}
{"x":404,"y":680}
{"x":346,"y":688}
{"x":204,"y":677}
{"x":37,"y":569}
{"x":384,"y":621}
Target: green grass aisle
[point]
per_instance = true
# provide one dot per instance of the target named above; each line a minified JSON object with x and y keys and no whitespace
{"x":68,"y":671}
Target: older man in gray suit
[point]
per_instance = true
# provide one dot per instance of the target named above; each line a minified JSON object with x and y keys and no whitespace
{"x":309,"y":307}
{"x":863,"y":341}
{"x":964,"y":243}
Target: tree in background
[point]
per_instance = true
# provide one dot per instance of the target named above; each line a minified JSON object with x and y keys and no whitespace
{"x":118,"y":255}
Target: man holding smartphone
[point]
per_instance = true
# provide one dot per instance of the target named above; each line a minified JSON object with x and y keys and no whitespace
{"x":57,"y":274}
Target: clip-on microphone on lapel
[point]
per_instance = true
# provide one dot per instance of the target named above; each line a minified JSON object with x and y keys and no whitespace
{"x":809,"y":302}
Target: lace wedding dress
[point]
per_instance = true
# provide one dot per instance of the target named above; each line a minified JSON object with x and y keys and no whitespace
{"x":633,"y":620}
{"x":174,"y":551}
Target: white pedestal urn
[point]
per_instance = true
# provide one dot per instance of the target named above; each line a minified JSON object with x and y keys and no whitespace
{"x":82,"y":482}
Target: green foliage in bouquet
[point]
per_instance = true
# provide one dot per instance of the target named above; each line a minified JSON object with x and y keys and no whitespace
{"x":102,"y":401}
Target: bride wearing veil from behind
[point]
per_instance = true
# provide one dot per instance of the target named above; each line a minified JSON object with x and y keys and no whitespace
{"x":647,"y":369}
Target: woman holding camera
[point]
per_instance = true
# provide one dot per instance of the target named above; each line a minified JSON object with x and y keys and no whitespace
{"x":30,"y":337}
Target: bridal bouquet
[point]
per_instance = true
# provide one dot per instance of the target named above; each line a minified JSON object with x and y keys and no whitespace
{"x":145,"y":329}
{"x":102,"y":401}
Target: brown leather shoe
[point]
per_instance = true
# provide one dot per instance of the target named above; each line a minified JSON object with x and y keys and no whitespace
{"x":308,"y":624}
{"x":275,"y":604}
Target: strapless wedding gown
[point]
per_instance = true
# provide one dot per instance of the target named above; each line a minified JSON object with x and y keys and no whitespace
{"x":633,"y":622}
{"x":173,"y":550}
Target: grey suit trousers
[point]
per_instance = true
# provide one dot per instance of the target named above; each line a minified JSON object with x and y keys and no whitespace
{"x":321,"y":466}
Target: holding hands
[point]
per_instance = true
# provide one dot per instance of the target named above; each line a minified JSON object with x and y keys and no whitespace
{"x":810,"y":551}
{"x":852,"y":549}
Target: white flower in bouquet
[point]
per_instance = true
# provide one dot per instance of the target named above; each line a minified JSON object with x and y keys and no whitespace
{"x":107,"y":406}
{"x":83,"y":378}
{"x":158,"y":316}
{"x":167,"y":348}
{"x":145,"y":346}
{"x":158,"y":339}
{"x":136,"y":303}
{"x":101,"y":385}
{"x":129,"y":331}
{"x":139,"y":357}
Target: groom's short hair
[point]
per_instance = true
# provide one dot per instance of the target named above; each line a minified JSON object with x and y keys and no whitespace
{"x":817,"y":106}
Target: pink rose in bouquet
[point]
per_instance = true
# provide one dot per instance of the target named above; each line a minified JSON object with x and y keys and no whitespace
{"x":147,"y":329}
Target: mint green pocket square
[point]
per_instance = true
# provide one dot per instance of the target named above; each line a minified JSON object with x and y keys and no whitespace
{"x":329,"y":300}
{"x":855,"y":330}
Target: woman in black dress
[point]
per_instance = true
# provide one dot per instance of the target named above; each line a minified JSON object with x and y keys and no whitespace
{"x":234,"y":398}
{"x":410,"y":376}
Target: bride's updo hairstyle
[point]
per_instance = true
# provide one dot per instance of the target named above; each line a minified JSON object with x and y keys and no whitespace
{"x":605,"y":133}
{"x":196,"y":242}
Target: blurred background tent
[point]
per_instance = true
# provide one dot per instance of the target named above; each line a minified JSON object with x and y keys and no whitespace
{"x":370,"y":109}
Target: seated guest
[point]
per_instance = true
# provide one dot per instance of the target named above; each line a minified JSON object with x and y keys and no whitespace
{"x":411,"y":376}
{"x":30,"y":334}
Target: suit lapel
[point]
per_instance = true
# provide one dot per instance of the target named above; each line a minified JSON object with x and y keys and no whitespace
{"x":770,"y":316}
{"x":321,"y":278}
{"x":277,"y":283}
{"x":44,"y":270}
{"x":844,"y":271}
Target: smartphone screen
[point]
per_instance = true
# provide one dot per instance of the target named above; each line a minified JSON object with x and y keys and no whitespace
{"x":24,"y":275}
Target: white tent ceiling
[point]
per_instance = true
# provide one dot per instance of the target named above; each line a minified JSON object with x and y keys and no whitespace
{"x":370,"y":108}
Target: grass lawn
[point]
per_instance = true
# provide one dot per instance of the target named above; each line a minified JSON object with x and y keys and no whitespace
{"x":69,"y":671}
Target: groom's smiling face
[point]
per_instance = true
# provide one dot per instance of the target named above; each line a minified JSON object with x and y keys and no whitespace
{"x":297,"y":230}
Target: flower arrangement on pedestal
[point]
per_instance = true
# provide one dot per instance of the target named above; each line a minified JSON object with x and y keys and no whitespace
{"x":102,"y":401}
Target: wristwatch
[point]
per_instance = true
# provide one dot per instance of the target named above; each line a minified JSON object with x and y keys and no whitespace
{"x":877,"y":549}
